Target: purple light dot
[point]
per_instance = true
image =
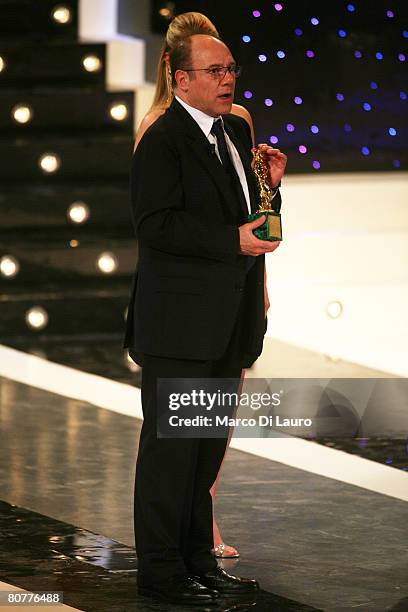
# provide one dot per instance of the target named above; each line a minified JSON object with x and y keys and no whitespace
{"x":367,"y":106}
{"x":278,"y":7}
{"x":379,"y":55}
{"x":314,"y":21}
{"x":401,"y":57}
{"x":297,"y":100}
{"x":273,"y":139}
{"x":314,"y":129}
{"x":248,"y":94}
{"x":256,"y":13}
{"x":347,"y":127}
{"x":351,"y":8}
{"x":290,"y":127}
{"x":262,"y":57}
{"x":392,"y":131}
{"x":316,"y":164}
{"x":365,"y":150}
{"x":358,"y":54}
{"x":405,"y":33}
{"x":403,"y":95}
{"x":373,"y":85}
{"x":340,"y":97}
{"x":302,"y":149}
{"x":298,"y":32}
{"x":390,"y":14}
{"x":268,"y":102}
{"x":281,"y":54}
{"x":310,"y":53}
{"x":396,"y":163}
{"x":342,"y":33}
{"x":246,"y":38}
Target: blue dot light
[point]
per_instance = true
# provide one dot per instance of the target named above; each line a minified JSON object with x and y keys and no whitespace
{"x":351,"y":8}
{"x":314,"y":129}
{"x":256,"y":13}
{"x":290,"y":127}
{"x":365,"y":150}
{"x":281,"y":54}
{"x":401,"y":57}
{"x":298,"y":100}
{"x":342,"y":33}
{"x":374,"y":85}
{"x":246,"y":38}
{"x":367,"y":106}
{"x":390,"y":14}
{"x":262,"y":57}
{"x":248,"y":94}
{"x":310,"y":53}
{"x":340,"y":97}
{"x":396,"y":163}
{"x":278,"y":7}
{"x":379,"y":55}
{"x":273,"y":139}
{"x":268,"y":102}
{"x":302,"y":149}
{"x":347,"y":127}
{"x":392,"y":131}
{"x":314,"y":21}
{"x":298,"y":32}
{"x":316,"y":164}
{"x":405,"y":33}
{"x":403,"y":95}
{"x":358,"y":54}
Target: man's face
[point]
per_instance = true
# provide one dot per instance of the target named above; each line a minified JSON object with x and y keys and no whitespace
{"x":210,"y":93}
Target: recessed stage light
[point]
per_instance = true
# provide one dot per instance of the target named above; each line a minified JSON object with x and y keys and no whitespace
{"x":92,"y":63}
{"x":118,"y":111}
{"x":9,"y":266}
{"x":2,"y":63}
{"x":36,"y":317}
{"x":73,"y":243}
{"x":61,"y":14}
{"x":107,"y":263}
{"x":78,"y":212}
{"x":334,"y":309}
{"x":22,"y":113}
{"x":49,"y":162}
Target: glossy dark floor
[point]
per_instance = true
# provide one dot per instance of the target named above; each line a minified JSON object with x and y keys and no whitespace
{"x":312,"y":542}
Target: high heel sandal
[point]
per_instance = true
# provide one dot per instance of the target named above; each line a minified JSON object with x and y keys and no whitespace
{"x":223,"y":551}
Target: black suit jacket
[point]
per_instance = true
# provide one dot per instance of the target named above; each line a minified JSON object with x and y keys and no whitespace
{"x":190,"y":276}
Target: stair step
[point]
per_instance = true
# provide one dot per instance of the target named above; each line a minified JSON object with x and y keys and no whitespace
{"x":35,"y":19}
{"x":73,"y":310}
{"x":66,"y":110}
{"x":56,"y":63}
{"x":93,"y":156}
{"x":60,"y":256}
{"x":46,"y":206}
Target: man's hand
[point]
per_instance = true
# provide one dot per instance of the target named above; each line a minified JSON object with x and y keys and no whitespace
{"x":276,"y":161}
{"x":250,"y":244}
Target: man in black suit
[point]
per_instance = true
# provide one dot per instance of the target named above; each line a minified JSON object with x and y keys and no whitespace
{"x":196,"y":309}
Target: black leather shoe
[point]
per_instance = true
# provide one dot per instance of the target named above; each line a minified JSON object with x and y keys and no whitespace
{"x":180,"y":590}
{"x":223,"y":582}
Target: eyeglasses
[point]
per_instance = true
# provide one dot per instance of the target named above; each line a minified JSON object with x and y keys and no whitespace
{"x":218,"y":72}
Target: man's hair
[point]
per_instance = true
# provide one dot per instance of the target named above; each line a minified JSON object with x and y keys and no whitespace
{"x":180,"y":58}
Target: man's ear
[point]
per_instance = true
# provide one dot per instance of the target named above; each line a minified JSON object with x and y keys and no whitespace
{"x":182,"y":80}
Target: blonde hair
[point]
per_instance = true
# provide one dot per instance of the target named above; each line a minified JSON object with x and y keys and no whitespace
{"x":181,"y":28}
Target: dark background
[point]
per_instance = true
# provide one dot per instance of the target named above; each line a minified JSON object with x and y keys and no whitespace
{"x":349,"y":137}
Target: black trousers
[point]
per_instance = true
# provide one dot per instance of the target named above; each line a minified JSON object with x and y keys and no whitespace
{"x":173,"y":505}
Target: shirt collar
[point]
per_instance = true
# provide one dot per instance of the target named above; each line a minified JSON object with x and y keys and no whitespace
{"x":204,"y":121}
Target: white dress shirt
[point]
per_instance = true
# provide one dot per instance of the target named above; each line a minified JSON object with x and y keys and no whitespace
{"x":206,"y":122}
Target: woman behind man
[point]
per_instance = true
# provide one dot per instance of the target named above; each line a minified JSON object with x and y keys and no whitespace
{"x":180,"y":28}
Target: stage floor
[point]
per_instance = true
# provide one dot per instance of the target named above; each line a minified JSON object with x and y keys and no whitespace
{"x":66,"y":481}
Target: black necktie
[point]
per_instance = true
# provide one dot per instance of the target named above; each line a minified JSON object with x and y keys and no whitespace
{"x":218,"y":131}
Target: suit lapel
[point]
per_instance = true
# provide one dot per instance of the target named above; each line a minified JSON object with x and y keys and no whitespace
{"x":246,"y":162}
{"x":201,"y":148}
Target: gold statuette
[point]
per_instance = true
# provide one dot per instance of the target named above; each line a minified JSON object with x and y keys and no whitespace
{"x":272,"y":228}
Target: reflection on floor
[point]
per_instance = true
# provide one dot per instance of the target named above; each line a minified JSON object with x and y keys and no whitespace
{"x":311,"y":541}
{"x":278,"y":360}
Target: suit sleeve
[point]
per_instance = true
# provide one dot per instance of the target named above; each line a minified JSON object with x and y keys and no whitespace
{"x":158,"y":205}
